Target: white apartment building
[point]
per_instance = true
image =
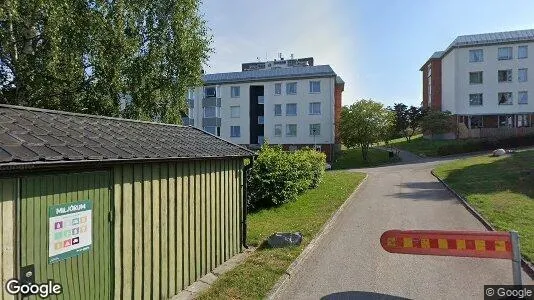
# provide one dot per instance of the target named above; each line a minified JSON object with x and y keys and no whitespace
{"x":292,"y":106}
{"x":485,"y":80}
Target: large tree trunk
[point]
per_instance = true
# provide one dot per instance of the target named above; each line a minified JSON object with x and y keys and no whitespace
{"x":365,"y":152}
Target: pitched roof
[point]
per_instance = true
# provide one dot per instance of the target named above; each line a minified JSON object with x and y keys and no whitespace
{"x":486,"y":39}
{"x":37,"y":136}
{"x":492,"y":38}
{"x":269,"y":74}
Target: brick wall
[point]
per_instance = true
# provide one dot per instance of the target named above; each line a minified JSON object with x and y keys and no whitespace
{"x":436,"y":84}
{"x":337,"y":109}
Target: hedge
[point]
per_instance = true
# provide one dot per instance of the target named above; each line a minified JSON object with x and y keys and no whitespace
{"x":278,"y":176}
{"x":486,"y":144}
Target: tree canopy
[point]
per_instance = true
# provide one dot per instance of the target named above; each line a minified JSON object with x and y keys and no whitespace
{"x":134,"y":59}
{"x":363,"y":123}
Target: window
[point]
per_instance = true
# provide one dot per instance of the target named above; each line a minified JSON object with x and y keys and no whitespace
{"x":475,"y":99}
{"x":210,"y":91}
{"x":235,"y":131}
{"x":213,"y":130}
{"x":190,"y":113}
{"x":315,"y":108}
{"x":278,"y":109}
{"x":505,"y":53}
{"x":261,"y":100}
{"x":291,"y":88}
{"x":291,"y":109}
{"x":476,"y":122}
{"x":522,"y":52}
{"x":505,"y":75}
{"x":506,"y":121}
{"x":291,"y":130}
{"x":235,"y":91}
{"x":429,"y":70}
{"x":260,"y":119}
{"x":190,"y":94}
{"x":522,"y":75}
{"x":212,"y":112}
{"x":505,"y":99}
{"x":315,"y":129}
{"x":476,"y":55}
{"x":278,"y":130}
{"x":522,"y":97}
{"x":475,"y":77}
{"x":277,"y":88}
{"x":523,"y":121}
{"x":235,"y":111}
{"x":315,"y":86}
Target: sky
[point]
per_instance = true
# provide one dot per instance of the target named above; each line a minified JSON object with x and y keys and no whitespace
{"x":376,"y":46}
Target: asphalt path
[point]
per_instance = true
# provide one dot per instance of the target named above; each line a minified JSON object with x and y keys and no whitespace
{"x":348,"y":262}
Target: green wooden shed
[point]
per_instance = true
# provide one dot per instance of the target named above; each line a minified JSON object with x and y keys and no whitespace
{"x":113,"y":208}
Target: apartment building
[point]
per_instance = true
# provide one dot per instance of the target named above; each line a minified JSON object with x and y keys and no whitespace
{"x":484,"y":80}
{"x":293,"y":105}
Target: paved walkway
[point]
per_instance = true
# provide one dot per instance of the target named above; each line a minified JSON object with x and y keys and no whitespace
{"x":349,"y":263}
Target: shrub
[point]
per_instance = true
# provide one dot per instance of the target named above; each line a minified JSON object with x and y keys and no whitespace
{"x":278,"y":176}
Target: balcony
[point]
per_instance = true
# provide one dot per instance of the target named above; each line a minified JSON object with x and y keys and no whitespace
{"x":210,"y":102}
{"x":186,"y":121}
{"x":211,"y":122}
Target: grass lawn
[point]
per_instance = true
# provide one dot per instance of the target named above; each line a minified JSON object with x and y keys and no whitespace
{"x":352,"y":158}
{"x":255,"y":277}
{"x":420,"y":146}
{"x":501,"y":189}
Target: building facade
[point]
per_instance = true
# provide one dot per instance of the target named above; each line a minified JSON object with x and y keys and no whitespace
{"x":484,"y":81}
{"x":292,"y":106}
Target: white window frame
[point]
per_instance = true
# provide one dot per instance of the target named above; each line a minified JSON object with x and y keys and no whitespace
{"x":290,"y":126}
{"x":235,"y":91}
{"x":520,"y":95}
{"x":278,"y":88}
{"x":510,"y":100}
{"x":522,"y":55}
{"x":521,"y":79}
{"x":474,"y":58}
{"x":232,"y":128}
{"x":510,"y":50}
{"x":311,"y":106}
{"x":278,"y":126}
{"x":275,"y":112}
{"x":315,"y":84}
{"x":481,"y":77}
{"x":509,"y":77}
{"x":318,"y":125}
{"x":476,"y":95}
{"x":290,"y":91}
{"x":287,"y":110}
{"x":233,"y":109}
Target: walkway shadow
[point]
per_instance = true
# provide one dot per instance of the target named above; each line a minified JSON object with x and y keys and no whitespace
{"x":350,"y":295}
{"x":423,"y":191}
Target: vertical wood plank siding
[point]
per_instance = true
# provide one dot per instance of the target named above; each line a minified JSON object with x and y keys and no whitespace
{"x":174,"y":222}
{"x":8,"y":197}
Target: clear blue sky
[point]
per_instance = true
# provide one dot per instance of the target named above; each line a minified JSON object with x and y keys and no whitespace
{"x":376,"y":46}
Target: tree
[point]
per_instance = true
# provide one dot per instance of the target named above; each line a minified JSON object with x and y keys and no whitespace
{"x":133,"y":59}
{"x":415,"y":116}
{"x":437,"y":122}
{"x":401,"y":118}
{"x":364,"y":123}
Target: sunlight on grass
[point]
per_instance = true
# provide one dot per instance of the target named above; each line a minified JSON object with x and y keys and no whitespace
{"x":352,"y":158}
{"x":499,"y":188}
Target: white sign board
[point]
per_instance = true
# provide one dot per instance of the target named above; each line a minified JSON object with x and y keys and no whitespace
{"x":70,"y":230}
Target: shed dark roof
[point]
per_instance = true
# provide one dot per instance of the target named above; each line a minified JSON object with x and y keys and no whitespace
{"x":37,"y":136}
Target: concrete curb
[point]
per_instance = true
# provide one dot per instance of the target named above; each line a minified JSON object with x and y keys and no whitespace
{"x":278,"y":287}
{"x":527,"y":266}
{"x":206,"y":281}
